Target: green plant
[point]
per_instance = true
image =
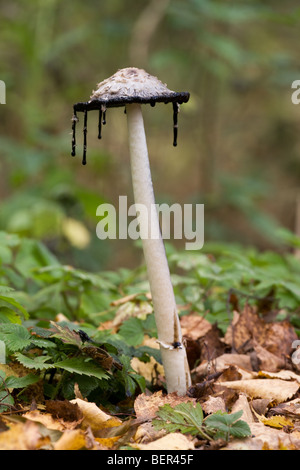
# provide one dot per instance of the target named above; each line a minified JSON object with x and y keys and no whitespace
{"x":188,"y":418}
{"x":60,"y":357}
{"x":9,"y":384}
{"x":35,"y":287}
{"x":266,"y":279}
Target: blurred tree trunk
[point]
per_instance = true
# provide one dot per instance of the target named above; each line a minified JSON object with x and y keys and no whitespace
{"x":209,"y":130}
{"x":143,"y":31}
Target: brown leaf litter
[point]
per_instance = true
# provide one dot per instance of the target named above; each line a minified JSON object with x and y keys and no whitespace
{"x":250,"y":369}
{"x":253,"y":372}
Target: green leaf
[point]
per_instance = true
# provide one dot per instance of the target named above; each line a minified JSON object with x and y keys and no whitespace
{"x":130,"y":378}
{"x":41,"y":332}
{"x":83,"y":367}
{"x":5,"y":290}
{"x":187,"y":418}
{"x":184,"y":417}
{"x":14,"y":303}
{"x":132,"y":331}
{"x":240,"y":429}
{"x":288,"y":237}
{"x":16,"y":337}
{"x":225,"y":424}
{"x":143,"y":353}
{"x":85,"y":383}
{"x":32,"y":255}
{"x":9,"y":240}
{"x":141,"y":382}
{"x":7,"y":315}
{"x":38,"y":362}
{"x":4,"y":398}
{"x":21,"y":382}
{"x":43,"y":343}
{"x":292,"y":287}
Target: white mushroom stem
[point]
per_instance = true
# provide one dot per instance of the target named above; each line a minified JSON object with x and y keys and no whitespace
{"x":164,"y":304}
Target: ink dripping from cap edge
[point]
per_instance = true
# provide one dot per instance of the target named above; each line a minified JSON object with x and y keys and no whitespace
{"x":74,"y":121}
{"x":102,"y":121}
{"x":84,"y":138}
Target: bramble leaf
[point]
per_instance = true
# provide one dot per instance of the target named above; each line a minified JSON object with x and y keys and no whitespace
{"x":82,"y":366}
{"x":38,"y":362}
{"x":16,"y":337}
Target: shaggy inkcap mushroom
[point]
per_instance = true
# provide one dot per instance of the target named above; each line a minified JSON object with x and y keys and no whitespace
{"x":132,"y":87}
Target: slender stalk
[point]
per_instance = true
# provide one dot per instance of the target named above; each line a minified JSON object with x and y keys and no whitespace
{"x":165,"y":310}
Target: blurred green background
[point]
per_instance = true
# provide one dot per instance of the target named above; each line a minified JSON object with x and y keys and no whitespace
{"x":238,"y":146}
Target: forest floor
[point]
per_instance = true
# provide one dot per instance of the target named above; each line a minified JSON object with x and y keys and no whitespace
{"x":251,"y":372}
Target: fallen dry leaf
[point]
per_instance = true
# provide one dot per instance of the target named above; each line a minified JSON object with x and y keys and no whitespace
{"x":136,"y":308}
{"x":231,"y":373}
{"x":22,"y":436}
{"x":243,"y":404}
{"x":71,"y":440}
{"x":194,"y":326}
{"x":150,"y":369}
{"x":211,"y":344}
{"x":282,"y":374}
{"x":242,"y":361}
{"x":202,"y":338}
{"x":214,"y":404}
{"x":265,"y":437}
{"x":108,"y":325}
{"x":248,"y":330}
{"x":129,"y":297}
{"x":277,"y":421}
{"x":147,"y":433}
{"x":79,"y":439}
{"x":94,"y":417}
{"x":8,"y":371}
{"x":47,"y":420}
{"x":146,"y":406}
{"x":260,"y":405}
{"x":266,"y":359}
{"x":274,"y":389}
{"x":290,"y":410}
{"x":172,"y":441}
{"x":108,"y":442}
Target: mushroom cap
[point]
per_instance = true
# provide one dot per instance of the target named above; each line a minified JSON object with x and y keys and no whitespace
{"x":131,"y":85}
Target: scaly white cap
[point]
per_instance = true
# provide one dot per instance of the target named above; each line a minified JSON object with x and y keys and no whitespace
{"x":131,"y":85}
{"x":128,"y":85}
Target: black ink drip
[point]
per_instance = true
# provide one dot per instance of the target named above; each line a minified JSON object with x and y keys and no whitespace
{"x":84,"y":138}
{"x":104,"y":117}
{"x":175,"y":123}
{"x":99,"y":124}
{"x":74,"y":120}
